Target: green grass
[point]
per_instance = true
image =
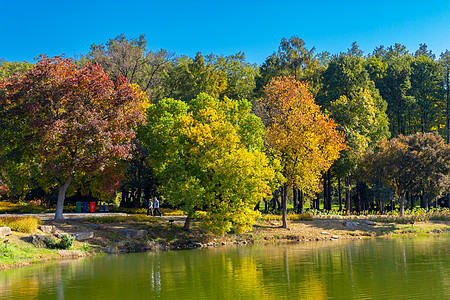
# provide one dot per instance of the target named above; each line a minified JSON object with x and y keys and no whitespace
{"x":14,"y":253}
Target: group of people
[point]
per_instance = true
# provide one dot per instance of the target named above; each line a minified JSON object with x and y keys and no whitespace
{"x":153,"y":207}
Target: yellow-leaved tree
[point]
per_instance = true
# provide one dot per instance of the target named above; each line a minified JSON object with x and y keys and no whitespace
{"x":207,"y":155}
{"x":298,"y":134}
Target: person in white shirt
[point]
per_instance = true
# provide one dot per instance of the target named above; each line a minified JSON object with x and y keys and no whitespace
{"x":150,"y":207}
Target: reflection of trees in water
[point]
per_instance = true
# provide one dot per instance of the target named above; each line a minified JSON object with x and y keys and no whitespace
{"x":35,"y":280}
{"x":307,"y":271}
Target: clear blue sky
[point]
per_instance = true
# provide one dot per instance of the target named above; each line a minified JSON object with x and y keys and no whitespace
{"x":29,"y":28}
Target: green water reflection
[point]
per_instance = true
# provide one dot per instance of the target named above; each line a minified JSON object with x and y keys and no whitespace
{"x":378,"y":269}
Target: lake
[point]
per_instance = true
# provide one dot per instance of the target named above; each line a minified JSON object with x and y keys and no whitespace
{"x":400,"y":268}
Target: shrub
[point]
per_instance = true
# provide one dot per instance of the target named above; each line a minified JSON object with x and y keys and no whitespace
{"x":300,"y":217}
{"x":65,"y":243}
{"x":20,"y":224}
{"x":172,"y":212}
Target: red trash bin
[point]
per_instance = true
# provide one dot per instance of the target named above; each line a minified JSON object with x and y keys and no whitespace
{"x":91,"y":206}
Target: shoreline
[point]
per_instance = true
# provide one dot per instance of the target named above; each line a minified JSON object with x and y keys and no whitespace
{"x":164,"y":234}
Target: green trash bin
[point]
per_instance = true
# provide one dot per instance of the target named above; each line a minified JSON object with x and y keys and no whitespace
{"x":78,"y":210}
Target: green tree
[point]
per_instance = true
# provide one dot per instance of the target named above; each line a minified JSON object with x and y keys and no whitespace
{"x":188,"y":78}
{"x":131,"y":59}
{"x":427,"y":89}
{"x":292,"y":59}
{"x":207,"y":154}
{"x":423,"y":51}
{"x":240,"y":75}
{"x":355,"y":104}
{"x":8,"y":69}
{"x":445,"y":64}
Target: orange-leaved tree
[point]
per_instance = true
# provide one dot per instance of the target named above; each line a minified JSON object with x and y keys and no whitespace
{"x":298,"y":134}
{"x":74,"y":121}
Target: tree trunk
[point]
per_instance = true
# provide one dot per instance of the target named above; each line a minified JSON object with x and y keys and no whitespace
{"x":329,"y":189}
{"x":317,"y":205}
{"x":187,"y":223}
{"x":410,"y":198}
{"x":137,"y":198}
{"x":348,"y":195}
{"x":279,"y":204}
{"x":300,"y":202}
{"x":325,"y":192}
{"x":339,"y":194}
{"x":61,"y":196}
{"x":402,"y":205}
{"x":295,"y":197}
{"x":284,"y":205}
{"x":275,"y":200}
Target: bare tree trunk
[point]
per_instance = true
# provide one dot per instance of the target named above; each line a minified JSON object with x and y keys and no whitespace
{"x":284,"y":205}
{"x":137,"y":198}
{"x":411,"y":198}
{"x":325,"y":192}
{"x":348,"y":195}
{"x":317,"y":205}
{"x":275,"y":200}
{"x":300,"y":202}
{"x":187,"y":223}
{"x":339,"y":194}
{"x":61,"y":196}
{"x":295,"y":197}
{"x":402,"y":205}
{"x":329,"y":189}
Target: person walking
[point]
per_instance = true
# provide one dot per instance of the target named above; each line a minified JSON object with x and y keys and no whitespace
{"x":150,"y":207}
{"x":156,"y":206}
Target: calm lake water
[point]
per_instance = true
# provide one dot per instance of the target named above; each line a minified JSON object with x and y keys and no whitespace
{"x":401,"y":268}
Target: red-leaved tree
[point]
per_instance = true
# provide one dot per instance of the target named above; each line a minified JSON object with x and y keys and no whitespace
{"x":73,"y":119}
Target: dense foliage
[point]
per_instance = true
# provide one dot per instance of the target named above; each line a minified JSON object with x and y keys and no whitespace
{"x":70,"y":127}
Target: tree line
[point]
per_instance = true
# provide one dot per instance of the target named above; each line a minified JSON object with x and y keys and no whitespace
{"x":218,"y":134}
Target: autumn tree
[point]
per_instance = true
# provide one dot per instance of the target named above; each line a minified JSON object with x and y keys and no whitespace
{"x":207,"y":154}
{"x":304,"y":140}
{"x":74,"y":120}
{"x":415,"y":164}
